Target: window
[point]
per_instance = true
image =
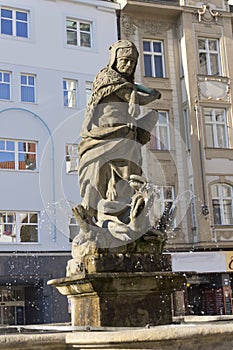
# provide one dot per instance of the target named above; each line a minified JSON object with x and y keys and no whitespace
{"x":18,"y":155}
{"x":5,"y":85}
{"x":71,"y":158}
{"x":88,"y":90}
{"x":70,"y":93}
{"x":18,"y":227}
{"x":166,"y":195}
{"x":216,"y":128}
{"x":154,"y":58}
{"x":209,"y":57}
{"x":14,"y":22}
{"x":73,"y":228}
{"x":160,"y":138}
{"x":28,"y":88}
{"x":12,"y":305}
{"x":78,"y":33}
{"x":222,"y":201}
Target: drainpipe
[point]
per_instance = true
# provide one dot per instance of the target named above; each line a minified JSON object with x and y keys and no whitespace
{"x":118,"y":18}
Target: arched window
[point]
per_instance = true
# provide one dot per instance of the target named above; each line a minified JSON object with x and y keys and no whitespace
{"x":222,"y":201}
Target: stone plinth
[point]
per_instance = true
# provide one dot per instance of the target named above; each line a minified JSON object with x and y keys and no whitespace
{"x":120,"y":299}
{"x":126,"y":262}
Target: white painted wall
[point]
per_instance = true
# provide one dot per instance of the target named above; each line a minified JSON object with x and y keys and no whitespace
{"x":46,"y":55}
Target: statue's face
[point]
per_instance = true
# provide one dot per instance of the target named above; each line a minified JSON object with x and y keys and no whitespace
{"x":125,"y":65}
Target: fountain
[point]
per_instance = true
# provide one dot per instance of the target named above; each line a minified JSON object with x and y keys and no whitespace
{"x":119,"y":282}
{"x":118,"y":276}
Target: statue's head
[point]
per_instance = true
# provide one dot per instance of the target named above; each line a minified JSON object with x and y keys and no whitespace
{"x":123,"y":58}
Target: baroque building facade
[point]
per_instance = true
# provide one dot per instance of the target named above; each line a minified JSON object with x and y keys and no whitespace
{"x":186,"y":49}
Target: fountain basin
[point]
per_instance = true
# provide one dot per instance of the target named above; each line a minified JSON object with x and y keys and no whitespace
{"x":191,"y":336}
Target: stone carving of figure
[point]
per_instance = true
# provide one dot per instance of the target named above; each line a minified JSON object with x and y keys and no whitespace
{"x":113,"y":133}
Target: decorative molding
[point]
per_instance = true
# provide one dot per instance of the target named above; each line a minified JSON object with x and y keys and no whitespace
{"x":223,"y":235}
{"x":214,"y":88}
{"x":151,"y":27}
{"x":147,"y":26}
{"x":128,"y":27}
{"x":207,"y":15}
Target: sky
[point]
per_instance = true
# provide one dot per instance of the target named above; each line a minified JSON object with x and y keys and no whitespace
{"x":230,"y":2}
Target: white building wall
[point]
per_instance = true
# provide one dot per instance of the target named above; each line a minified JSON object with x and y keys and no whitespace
{"x":49,"y":190}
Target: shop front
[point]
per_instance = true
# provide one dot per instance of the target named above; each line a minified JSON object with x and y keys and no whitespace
{"x":209,"y":283}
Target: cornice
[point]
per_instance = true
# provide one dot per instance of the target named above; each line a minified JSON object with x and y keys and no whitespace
{"x":101,"y":4}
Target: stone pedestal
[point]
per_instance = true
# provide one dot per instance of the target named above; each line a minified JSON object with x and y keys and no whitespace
{"x":120,"y":299}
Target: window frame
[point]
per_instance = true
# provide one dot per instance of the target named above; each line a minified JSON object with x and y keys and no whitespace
{"x":219,"y":204}
{"x":15,"y":21}
{"x":156,"y":133}
{"x":17,"y":153}
{"x":215,"y":126}
{"x":163,"y":200}
{"x":208,"y":53}
{"x":2,"y":82}
{"x":72,"y":222}
{"x":17,"y":225}
{"x":73,"y":93}
{"x":88,"y":90}
{"x":153,"y":54}
{"x":69,"y":158}
{"x":79,"y":32}
{"x":28,"y":75}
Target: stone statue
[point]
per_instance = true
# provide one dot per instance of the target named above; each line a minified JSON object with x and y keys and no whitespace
{"x":116,"y":199}
{"x":118,"y":276}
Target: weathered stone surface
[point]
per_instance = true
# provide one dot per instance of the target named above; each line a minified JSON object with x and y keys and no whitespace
{"x":37,"y":341}
{"x":182,"y":337}
{"x":144,"y":254}
{"x":204,"y":336}
{"x":120,"y":299}
{"x":126,"y":262}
